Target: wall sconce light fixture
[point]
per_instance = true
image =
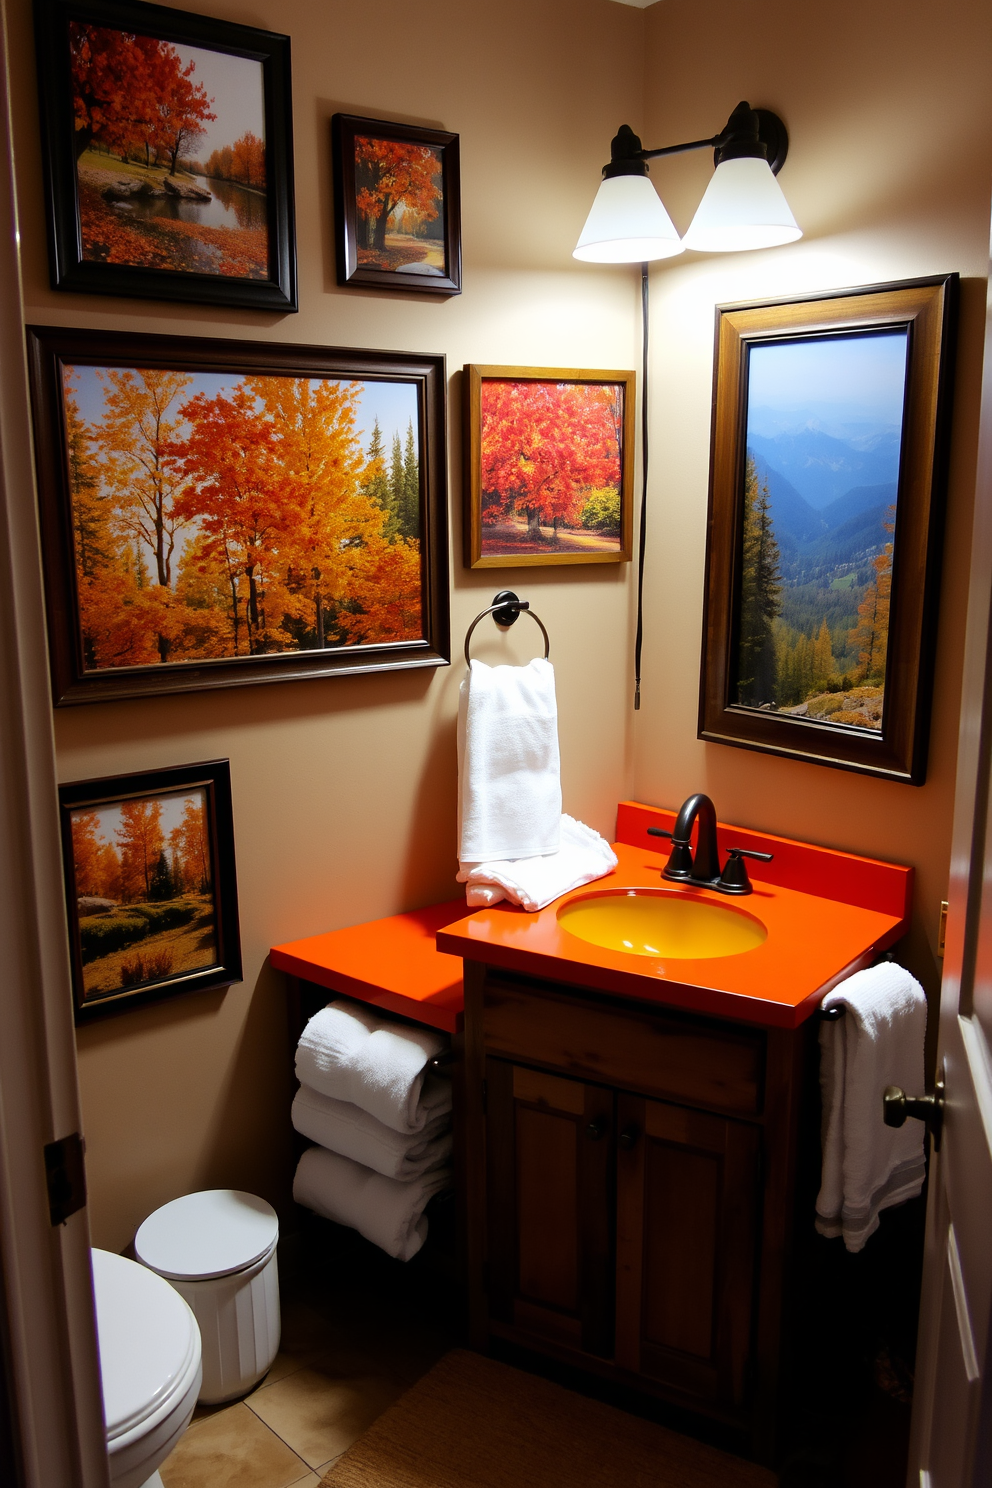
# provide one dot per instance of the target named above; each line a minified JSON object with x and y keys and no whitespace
{"x":743,"y":205}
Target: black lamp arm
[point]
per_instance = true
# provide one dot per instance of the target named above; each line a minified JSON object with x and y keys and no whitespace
{"x":748,"y":131}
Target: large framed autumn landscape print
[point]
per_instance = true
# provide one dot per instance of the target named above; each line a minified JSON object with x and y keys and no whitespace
{"x":168,"y":150}
{"x":216,"y":513}
{"x":549,"y":457}
{"x":396,"y":189}
{"x":826,"y":512}
{"x":150,"y":885}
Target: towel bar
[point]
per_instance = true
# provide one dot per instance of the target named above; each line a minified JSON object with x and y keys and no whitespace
{"x":505,"y":608}
{"x":831,"y":1014}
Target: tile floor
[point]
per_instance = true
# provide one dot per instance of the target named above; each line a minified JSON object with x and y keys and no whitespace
{"x":358,"y":1330}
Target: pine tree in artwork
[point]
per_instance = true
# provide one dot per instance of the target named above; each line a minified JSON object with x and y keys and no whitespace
{"x":410,"y":510}
{"x":761,"y":590}
{"x":397,"y":484}
{"x":161,"y":885}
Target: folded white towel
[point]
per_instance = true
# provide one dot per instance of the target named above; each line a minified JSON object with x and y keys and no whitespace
{"x":509,"y":784}
{"x":353,"y":1133}
{"x":388,"y":1213}
{"x":349,"y":1053}
{"x":868,"y":1166}
{"x":535,"y":882}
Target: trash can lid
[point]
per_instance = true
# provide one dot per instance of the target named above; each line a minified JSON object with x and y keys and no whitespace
{"x":202,"y":1235}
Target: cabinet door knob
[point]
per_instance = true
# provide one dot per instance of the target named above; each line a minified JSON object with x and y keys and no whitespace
{"x":597,"y":1128}
{"x":628,"y":1137}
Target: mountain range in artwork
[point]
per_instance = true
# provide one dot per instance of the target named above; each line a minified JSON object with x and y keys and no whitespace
{"x":820,"y":500}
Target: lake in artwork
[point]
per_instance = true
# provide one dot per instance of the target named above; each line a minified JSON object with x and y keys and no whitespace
{"x":821,"y":483}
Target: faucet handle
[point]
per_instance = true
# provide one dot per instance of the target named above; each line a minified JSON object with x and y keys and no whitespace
{"x":679,"y":863}
{"x":734,"y":878}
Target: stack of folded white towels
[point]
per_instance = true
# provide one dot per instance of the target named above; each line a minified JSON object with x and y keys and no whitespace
{"x":382,"y":1121}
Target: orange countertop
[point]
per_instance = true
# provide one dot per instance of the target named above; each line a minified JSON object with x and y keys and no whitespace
{"x":392,"y":963}
{"x":813,"y":942}
{"x":827,"y":914}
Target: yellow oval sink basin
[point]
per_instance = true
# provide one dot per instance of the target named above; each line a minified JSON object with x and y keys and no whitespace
{"x":661,"y":923}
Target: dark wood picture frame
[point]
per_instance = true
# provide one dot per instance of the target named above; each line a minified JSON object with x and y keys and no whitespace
{"x":473,"y":378}
{"x":345,"y":129}
{"x":213,"y":779}
{"x":926,"y":309}
{"x":52,"y":349}
{"x":69,"y":269}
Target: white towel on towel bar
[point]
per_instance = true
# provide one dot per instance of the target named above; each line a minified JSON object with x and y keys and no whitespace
{"x":350,"y":1054}
{"x":509,"y":780}
{"x":535,"y":882}
{"x":868,"y":1166}
{"x":352,"y":1132}
{"x":388,"y":1213}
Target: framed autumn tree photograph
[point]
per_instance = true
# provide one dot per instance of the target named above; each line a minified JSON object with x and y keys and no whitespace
{"x":829,"y":445}
{"x":218,"y":513}
{"x":150,"y":884}
{"x":398,"y":206}
{"x":168,"y":153}
{"x":548,"y":466}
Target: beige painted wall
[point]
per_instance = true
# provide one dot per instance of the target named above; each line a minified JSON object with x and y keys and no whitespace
{"x":888,"y":173}
{"x":344,"y":790}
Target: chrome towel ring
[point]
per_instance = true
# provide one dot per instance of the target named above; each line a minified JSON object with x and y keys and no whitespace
{"x":504,"y":609}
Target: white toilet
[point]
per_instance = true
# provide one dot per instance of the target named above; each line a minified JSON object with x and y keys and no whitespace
{"x":149,"y":1367}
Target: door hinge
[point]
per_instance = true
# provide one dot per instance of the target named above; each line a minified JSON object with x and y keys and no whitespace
{"x":65,"y":1172}
{"x":942,"y":927}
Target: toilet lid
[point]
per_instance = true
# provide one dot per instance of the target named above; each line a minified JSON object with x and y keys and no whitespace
{"x":201,"y":1235}
{"x":147,"y":1337}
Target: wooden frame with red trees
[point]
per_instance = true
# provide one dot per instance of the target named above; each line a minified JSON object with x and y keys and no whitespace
{"x":150,"y":886}
{"x":168,"y":154}
{"x":826,"y":507}
{"x":396,"y":193}
{"x":549,"y":457}
{"x":217,"y":513}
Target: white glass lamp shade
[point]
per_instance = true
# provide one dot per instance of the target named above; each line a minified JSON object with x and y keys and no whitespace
{"x":742,"y":207}
{"x":627,"y":224}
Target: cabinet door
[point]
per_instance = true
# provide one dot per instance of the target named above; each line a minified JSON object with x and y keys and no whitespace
{"x":687,"y":1214}
{"x":549,"y":1144}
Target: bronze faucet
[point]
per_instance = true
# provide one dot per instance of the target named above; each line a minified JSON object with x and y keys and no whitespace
{"x":703,"y":868}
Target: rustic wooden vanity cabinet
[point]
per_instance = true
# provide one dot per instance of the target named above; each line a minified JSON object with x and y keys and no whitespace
{"x":629,"y":1187}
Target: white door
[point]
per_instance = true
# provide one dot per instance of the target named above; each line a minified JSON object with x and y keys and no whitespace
{"x":952,"y":1418}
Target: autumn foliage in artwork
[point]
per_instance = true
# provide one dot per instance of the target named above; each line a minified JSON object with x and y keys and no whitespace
{"x":551,"y":465}
{"x":398,"y":193}
{"x":139,"y":115}
{"x":219,"y":518}
{"x":144,"y":890}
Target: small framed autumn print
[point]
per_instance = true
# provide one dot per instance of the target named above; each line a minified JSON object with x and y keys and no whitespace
{"x":398,"y":206}
{"x":168,"y":148}
{"x":216,"y":513}
{"x":548,"y":466}
{"x":150,"y":885}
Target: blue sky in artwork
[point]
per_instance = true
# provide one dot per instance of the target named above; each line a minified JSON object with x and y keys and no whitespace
{"x":394,"y":403}
{"x":838,"y":384}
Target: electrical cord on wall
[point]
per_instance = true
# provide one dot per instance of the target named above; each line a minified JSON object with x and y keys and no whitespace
{"x":639,"y":635}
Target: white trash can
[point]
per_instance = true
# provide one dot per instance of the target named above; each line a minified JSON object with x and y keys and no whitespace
{"x":218,"y":1249}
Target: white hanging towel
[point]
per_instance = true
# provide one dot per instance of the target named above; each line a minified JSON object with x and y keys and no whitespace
{"x":348,"y":1053}
{"x":388,"y":1213}
{"x":353,"y":1133}
{"x":509,"y":784}
{"x":535,"y":882}
{"x":868,"y":1166}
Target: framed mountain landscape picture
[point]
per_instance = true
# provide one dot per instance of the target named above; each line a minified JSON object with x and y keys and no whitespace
{"x":168,"y":150}
{"x":218,"y":513}
{"x":396,"y":191}
{"x":548,"y":466}
{"x":150,"y":885}
{"x":825,"y":524}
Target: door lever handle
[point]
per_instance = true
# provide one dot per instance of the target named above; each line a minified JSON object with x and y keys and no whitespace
{"x":897,"y":1105}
